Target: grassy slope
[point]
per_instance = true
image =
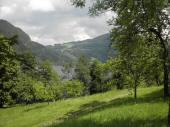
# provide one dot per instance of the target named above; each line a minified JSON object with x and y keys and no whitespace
{"x":111,"y":109}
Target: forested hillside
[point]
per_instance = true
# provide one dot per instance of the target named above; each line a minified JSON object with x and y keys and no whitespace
{"x":59,"y":54}
{"x":98,"y":48}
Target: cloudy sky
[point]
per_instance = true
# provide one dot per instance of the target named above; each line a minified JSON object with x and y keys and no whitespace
{"x":53,"y":21}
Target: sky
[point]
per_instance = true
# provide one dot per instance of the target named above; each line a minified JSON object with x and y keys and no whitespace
{"x":53,"y":21}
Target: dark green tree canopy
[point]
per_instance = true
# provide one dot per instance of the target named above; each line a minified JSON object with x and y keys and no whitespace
{"x":9,"y":67}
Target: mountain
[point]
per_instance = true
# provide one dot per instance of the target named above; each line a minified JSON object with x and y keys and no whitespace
{"x":98,"y":48}
{"x":26,"y":45}
{"x":59,"y":54}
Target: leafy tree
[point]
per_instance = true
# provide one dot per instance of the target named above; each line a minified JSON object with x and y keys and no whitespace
{"x":100,"y":77}
{"x":82,"y":70}
{"x":24,"y":90}
{"x":72,"y":88}
{"x":8,"y":67}
{"x":147,"y":18}
{"x":28,"y":63}
{"x":95,"y":79}
{"x":152,"y":71}
{"x":47,"y":74}
{"x":68,"y":67}
{"x":138,"y":58}
{"x":116,"y":67}
{"x":50,"y":79}
{"x":29,"y":90}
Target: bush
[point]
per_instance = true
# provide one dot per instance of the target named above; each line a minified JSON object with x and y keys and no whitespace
{"x":29,"y":90}
{"x":72,"y":88}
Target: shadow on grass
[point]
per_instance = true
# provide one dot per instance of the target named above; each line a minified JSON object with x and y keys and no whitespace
{"x":70,"y":118}
{"x":129,"y":122}
{"x":94,"y":106}
{"x":156,"y":94}
{"x":34,"y":108}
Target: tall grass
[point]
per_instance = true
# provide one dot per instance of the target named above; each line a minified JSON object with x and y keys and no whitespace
{"x":111,"y":109}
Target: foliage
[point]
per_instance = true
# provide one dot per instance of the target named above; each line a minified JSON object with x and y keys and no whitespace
{"x":147,"y":20}
{"x":100,"y":77}
{"x":28,"y":90}
{"x":83,"y":72}
{"x":72,"y":88}
{"x":68,"y":70}
{"x":28,"y":63}
{"x":8,"y":69}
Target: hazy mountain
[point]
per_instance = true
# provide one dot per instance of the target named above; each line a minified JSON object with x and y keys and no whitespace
{"x":98,"y":48}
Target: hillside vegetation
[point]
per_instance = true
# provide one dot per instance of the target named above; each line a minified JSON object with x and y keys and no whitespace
{"x":115,"y":108}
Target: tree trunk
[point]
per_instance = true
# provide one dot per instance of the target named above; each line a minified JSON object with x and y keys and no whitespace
{"x":165,"y":67}
{"x":164,"y":58}
{"x":135,"y":90}
{"x":166,"y":73}
{"x":169,"y":115}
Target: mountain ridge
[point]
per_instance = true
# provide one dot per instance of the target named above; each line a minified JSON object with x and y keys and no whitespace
{"x":59,"y":54}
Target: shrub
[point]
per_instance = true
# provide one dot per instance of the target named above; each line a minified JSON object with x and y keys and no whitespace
{"x":72,"y":88}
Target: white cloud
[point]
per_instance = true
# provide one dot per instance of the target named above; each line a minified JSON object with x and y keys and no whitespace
{"x":80,"y":34}
{"x":44,"y":40}
{"x":41,"y":5}
{"x":53,"y":21}
{"x":28,"y":27}
{"x":5,"y":11}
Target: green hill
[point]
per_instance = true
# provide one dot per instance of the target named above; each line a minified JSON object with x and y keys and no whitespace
{"x":111,"y":109}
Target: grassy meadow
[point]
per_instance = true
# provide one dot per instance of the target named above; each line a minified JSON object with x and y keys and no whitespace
{"x":111,"y":109}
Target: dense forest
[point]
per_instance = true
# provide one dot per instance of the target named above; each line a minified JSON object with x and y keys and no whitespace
{"x":136,"y":56}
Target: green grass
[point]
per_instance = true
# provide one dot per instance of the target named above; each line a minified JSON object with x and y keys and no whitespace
{"x":111,"y":109}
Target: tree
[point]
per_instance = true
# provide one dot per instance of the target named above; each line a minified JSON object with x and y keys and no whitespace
{"x":138,"y":58}
{"x":147,"y":18}
{"x":9,"y":67}
{"x":115,"y":65}
{"x":28,"y":64}
{"x":50,"y":79}
{"x":73,"y":88}
{"x":47,"y":74}
{"x":29,"y":90}
{"x":152,"y":71}
{"x":68,"y":68}
{"x":82,"y":70}
{"x":100,"y":77}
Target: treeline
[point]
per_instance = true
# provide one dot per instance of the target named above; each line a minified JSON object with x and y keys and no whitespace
{"x":23,"y":79}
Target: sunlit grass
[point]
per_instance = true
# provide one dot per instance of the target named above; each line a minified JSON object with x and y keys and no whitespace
{"x":111,"y":109}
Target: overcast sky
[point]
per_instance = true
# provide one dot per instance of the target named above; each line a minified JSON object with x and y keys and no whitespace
{"x":53,"y":21}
